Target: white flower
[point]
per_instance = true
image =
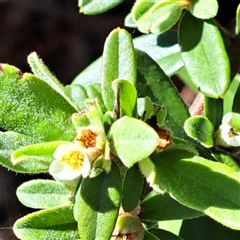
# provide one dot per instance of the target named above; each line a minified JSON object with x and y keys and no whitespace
{"x":225,"y":135}
{"x":71,"y":161}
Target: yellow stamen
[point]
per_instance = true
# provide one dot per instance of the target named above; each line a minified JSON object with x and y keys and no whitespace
{"x":73,"y":159}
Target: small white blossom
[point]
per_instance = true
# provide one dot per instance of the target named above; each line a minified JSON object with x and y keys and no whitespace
{"x":70,"y":162}
{"x":225,"y":135}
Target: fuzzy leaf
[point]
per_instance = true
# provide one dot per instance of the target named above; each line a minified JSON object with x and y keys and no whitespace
{"x":53,"y":223}
{"x":98,"y":204}
{"x":37,"y":156}
{"x":78,"y":94}
{"x":9,"y":142}
{"x":163,"y":48}
{"x":41,"y":71}
{"x":118,"y":62}
{"x":154,"y":83}
{"x":204,"y":55}
{"x":184,"y":177}
{"x":43,"y":194}
{"x":31,"y":107}
{"x":132,"y":140}
{"x":94,"y":91}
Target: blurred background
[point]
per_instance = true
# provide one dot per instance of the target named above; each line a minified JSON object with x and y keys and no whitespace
{"x":67,"y":42}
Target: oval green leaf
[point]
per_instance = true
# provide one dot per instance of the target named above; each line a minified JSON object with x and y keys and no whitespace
{"x":41,"y":71}
{"x":184,"y":177}
{"x":200,"y":129}
{"x":94,"y":7}
{"x":163,"y":48}
{"x":154,"y":83}
{"x":78,"y":94}
{"x":132,"y":140}
{"x":53,"y":223}
{"x":9,"y":142}
{"x":161,"y":207}
{"x":43,"y":194}
{"x":98,"y":204}
{"x":206,"y":228}
{"x":163,"y":234}
{"x":204,"y":55}
{"x":132,"y":188}
{"x":156,"y":16}
{"x":126,"y":97}
{"x":94,"y":91}
{"x":38,"y":156}
{"x":31,"y":107}
{"x":203,"y":9}
{"x":118,"y":62}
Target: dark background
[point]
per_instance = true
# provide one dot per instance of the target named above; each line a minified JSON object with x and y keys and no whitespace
{"x":67,"y":42}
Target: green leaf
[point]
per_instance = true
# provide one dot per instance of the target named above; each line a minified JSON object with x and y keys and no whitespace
{"x":41,"y":71}
{"x":43,"y":194}
{"x":237,"y":30}
{"x":204,"y":55}
{"x":31,"y":107}
{"x":154,"y":83}
{"x":118,"y":62}
{"x":162,"y":207}
{"x":213,"y":110}
{"x":9,"y":142}
{"x":156,"y":16}
{"x":150,"y":236}
{"x":163,"y":48}
{"x":206,"y":228}
{"x":94,"y":91}
{"x":38,"y":156}
{"x":224,"y":157}
{"x":236,"y":122}
{"x":94,"y":7}
{"x":145,"y":108}
{"x":172,"y":226}
{"x":184,"y":177}
{"x":132,"y":188}
{"x":132,"y":140}
{"x":91,"y":74}
{"x":163,"y":234}
{"x":204,"y":9}
{"x":126,"y":96}
{"x":129,"y":22}
{"x":229,"y":96}
{"x":78,"y":94}
{"x":98,"y":204}
{"x":236,"y":105}
{"x":53,"y":223}
{"x":200,"y":129}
